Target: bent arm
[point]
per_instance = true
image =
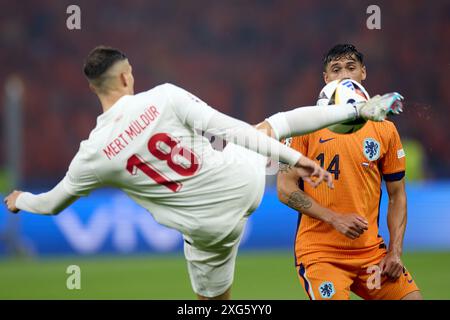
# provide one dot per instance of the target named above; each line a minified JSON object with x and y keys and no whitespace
{"x":290,"y":194}
{"x":48,"y":203}
{"x":350,"y":224}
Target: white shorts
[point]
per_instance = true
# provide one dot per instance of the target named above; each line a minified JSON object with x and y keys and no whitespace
{"x":211,"y":264}
{"x":211,"y":269}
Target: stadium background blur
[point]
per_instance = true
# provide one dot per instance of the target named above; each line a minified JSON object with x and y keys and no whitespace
{"x":248,"y":59}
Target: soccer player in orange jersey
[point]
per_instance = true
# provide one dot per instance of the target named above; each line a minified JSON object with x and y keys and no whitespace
{"x":337,"y":248}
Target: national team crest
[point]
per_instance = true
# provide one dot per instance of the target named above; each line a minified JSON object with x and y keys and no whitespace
{"x":371,"y":149}
{"x":326,"y":290}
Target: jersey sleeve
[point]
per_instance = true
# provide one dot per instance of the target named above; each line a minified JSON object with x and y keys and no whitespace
{"x":47,"y":203}
{"x":191,"y":110}
{"x":298,"y":143}
{"x":80,"y":179}
{"x":393,"y":163}
{"x":198,"y":115}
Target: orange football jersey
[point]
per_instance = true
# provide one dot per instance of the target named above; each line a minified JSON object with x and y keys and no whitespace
{"x":358,"y":162}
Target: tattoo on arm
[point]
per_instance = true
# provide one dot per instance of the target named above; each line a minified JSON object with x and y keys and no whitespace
{"x":299,"y":200}
{"x":285,"y":168}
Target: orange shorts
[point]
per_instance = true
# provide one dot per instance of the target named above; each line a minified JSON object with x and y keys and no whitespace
{"x":335,"y":279}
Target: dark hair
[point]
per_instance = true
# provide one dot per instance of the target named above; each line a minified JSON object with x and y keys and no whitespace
{"x":342,"y":50}
{"x":99,"y":60}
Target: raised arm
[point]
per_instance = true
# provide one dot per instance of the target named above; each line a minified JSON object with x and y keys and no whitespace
{"x":197,"y":115}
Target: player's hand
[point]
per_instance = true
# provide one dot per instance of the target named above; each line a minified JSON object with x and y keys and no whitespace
{"x":351,"y":225}
{"x":312,"y":173}
{"x":10,"y":201}
{"x":391,"y":266}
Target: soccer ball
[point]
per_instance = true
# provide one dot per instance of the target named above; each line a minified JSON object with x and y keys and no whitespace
{"x":342,"y":92}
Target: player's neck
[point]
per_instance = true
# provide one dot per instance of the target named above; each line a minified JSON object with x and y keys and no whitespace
{"x":107,"y":101}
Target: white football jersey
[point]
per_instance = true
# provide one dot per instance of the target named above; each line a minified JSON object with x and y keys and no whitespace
{"x":144,"y":146}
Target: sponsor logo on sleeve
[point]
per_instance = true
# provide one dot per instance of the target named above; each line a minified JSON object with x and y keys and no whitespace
{"x":400,"y":153}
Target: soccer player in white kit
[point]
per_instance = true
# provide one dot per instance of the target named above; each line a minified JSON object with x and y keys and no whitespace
{"x":150,"y":145}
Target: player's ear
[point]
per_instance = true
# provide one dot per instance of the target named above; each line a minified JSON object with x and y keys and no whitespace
{"x":363,"y":73}
{"x":325,"y":77}
{"x":91,"y":86}
{"x":123,"y":79}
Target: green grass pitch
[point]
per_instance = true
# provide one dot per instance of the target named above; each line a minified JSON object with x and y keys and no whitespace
{"x":259,"y":275}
